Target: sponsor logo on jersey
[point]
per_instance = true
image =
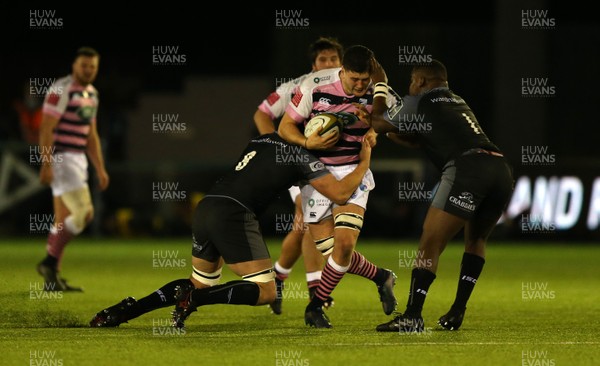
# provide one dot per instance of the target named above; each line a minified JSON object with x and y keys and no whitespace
{"x":316,"y":166}
{"x":325,"y":101}
{"x":324,"y":78}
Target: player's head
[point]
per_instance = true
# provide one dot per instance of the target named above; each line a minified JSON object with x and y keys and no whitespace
{"x":85,"y":65}
{"x":356,"y":70}
{"x":325,"y":53}
{"x":427,"y":76}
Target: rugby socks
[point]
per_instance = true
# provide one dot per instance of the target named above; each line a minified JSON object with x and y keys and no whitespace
{"x":361,"y":266}
{"x":163,"y":297}
{"x":313,"y":279}
{"x":332,"y":275}
{"x":232,"y":293}
{"x":281,"y":273}
{"x":55,"y":247}
{"x":470,"y":269}
{"x":420,"y":281}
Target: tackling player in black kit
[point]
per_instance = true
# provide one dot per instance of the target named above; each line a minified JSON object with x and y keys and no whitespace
{"x":475,"y":186}
{"x":225,"y":229}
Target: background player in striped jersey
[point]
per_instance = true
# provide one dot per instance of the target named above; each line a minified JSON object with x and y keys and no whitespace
{"x":67,"y":133}
{"x":324,"y":53}
{"x":475,"y":186}
{"x":335,"y":228}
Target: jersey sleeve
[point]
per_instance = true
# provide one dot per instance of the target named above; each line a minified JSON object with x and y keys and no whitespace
{"x":403,"y":107}
{"x":300,"y":106}
{"x":56,"y":99}
{"x":312,"y":168}
{"x":274,"y":105}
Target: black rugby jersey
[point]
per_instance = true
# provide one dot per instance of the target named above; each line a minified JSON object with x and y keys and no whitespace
{"x":267,"y":166}
{"x":444,"y":122}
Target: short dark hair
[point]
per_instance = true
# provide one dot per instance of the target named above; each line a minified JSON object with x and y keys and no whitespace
{"x":358,"y":59}
{"x":87,"y":52}
{"x":322,"y":44}
{"x":434,"y":70}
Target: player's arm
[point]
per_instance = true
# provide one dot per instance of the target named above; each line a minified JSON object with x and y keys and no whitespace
{"x":289,"y":131}
{"x":298,"y":110}
{"x":94,"y":153}
{"x":264,"y":123}
{"x":379,"y":78}
{"x":340,"y":191}
{"x":46,"y":141}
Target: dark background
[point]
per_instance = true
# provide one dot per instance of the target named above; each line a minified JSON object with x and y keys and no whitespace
{"x":234,"y":57}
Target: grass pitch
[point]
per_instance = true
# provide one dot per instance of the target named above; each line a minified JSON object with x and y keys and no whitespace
{"x":535,"y":304}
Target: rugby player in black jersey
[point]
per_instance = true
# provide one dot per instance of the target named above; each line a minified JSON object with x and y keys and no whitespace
{"x":475,"y":186}
{"x":225,"y":229}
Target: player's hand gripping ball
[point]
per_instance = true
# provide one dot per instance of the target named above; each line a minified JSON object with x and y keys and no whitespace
{"x":331,"y":123}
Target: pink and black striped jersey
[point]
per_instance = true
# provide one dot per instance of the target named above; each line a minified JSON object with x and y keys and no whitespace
{"x":76,"y":107}
{"x":323,"y":92}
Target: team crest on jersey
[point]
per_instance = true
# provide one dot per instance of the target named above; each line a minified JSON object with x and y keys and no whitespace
{"x":86,"y":112}
{"x":297,"y":98}
{"x":273,"y":98}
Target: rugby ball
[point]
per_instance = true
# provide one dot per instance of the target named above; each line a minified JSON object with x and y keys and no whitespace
{"x":329,"y":121}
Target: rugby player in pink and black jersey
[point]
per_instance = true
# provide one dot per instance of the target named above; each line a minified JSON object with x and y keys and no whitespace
{"x":324,"y":53}
{"x":335,"y":228}
{"x":67,"y":134}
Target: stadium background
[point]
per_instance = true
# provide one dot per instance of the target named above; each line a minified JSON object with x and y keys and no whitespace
{"x":227,"y":61}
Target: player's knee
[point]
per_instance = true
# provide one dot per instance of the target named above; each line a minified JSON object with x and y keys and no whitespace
{"x":79,"y":218}
{"x":325,"y":245}
{"x":266,"y":282}
{"x":206,"y":278}
{"x":267,"y":294}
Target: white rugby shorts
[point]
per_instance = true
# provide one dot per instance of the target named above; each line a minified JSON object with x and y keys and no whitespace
{"x":316,"y":207}
{"x":70,"y":172}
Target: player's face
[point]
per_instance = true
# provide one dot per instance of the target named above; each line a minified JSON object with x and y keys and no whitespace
{"x":326,"y":59}
{"x":85,"y":69}
{"x":355,"y":83}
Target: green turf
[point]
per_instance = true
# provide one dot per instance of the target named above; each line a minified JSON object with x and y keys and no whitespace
{"x":558,"y":325}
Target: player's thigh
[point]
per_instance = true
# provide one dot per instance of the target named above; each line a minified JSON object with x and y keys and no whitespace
{"x":231,"y":229}
{"x":322,"y":229}
{"x":70,"y":173}
{"x":489,"y":211}
{"x":207,"y":266}
{"x":440,"y":226}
